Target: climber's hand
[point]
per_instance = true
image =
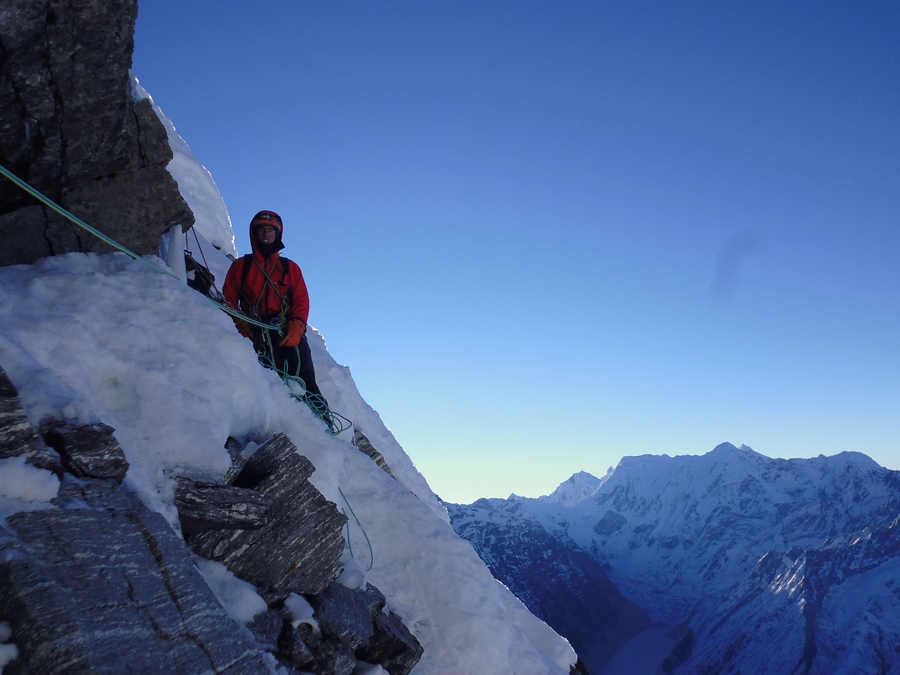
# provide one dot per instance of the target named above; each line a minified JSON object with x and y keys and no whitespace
{"x":295,"y":330}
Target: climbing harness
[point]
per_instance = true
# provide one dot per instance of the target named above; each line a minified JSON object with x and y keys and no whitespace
{"x":248,"y":260}
{"x":336,"y":423}
{"x":349,"y":545}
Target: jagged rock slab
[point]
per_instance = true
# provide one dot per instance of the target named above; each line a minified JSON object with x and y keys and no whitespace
{"x":209,"y":507}
{"x":365,"y":446}
{"x":111,"y":589}
{"x":299,"y":548}
{"x":89,"y":451}
{"x":393,"y":646}
{"x":17,"y":437}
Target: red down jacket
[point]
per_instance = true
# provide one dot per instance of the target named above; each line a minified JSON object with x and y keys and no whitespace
{"x":252,"y":292}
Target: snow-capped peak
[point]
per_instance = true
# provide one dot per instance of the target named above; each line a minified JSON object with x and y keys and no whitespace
{"x":578,"y":487}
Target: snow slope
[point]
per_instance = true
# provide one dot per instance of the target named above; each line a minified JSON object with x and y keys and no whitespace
{"x":90,"y":338}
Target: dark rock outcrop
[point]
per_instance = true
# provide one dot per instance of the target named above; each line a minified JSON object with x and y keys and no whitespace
{"x":70,"y":127}
{"x":102,"y":584}
{"x":299,"y":548}
{"x":346,"y":614}
{"x":393,"y":646}
{"x":298,"y":554}
{"x":90,"y":451}
{"x":98,"y":582}
{"x":17,"y":436}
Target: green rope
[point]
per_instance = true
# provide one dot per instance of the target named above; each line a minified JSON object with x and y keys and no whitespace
{"x":349,"y":545}
{"x":336,"y":423}
{"x":80,"y":223}
{"x":75,"y":219}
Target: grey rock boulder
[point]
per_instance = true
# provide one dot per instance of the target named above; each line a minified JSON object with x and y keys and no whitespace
{"x":346,"y":614}
{"x":90,"y":451}
{"x":299,"y":548}
{"x":393,"y":646}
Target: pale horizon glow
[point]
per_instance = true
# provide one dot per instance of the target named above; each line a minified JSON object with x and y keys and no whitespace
{"x":544,"y":236}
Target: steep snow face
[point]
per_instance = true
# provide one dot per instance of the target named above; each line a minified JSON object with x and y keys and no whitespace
{"x":558,"y":582}
{"x":195,"y":184}
{"x":89,"y":338}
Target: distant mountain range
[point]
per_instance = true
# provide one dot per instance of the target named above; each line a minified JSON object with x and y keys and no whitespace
{"x":758,"y":565}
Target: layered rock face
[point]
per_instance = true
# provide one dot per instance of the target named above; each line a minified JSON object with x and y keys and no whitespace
{"x":94,"y":581}
{"x":102,"y":584}
{"x":70,"y":127}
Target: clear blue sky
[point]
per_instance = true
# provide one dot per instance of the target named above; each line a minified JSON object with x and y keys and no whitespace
{"x":544,"y":235}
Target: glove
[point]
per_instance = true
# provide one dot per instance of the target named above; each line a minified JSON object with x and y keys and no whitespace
{"x":244,"y":328}
{"x":295,"y":330}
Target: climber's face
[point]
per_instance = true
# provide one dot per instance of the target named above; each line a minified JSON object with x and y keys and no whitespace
{"x":265,"y":234}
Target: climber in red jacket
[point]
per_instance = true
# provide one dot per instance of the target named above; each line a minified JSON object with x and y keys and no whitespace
{"x":270,"y":288}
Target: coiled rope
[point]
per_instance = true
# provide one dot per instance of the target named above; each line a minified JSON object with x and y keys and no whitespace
{"x":41,"y":197}
{"x":338,"y":424}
